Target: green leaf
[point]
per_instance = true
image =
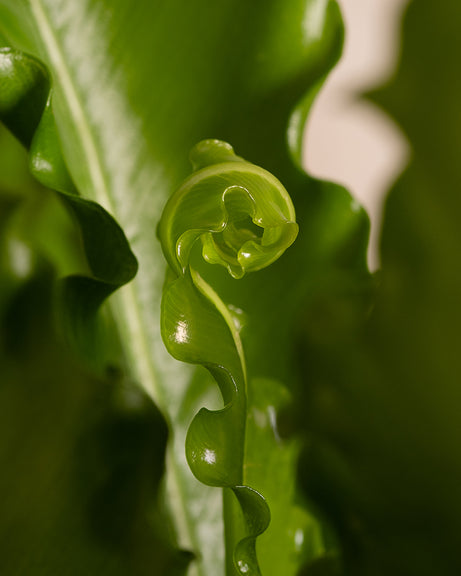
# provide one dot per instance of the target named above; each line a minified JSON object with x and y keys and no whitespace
{"x":244,"y":220}
{"x":134,"y":87}
{"x":384,"y":419}
{"x":25,"y":107}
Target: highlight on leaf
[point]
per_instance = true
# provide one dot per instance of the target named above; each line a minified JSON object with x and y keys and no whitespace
{"x":244,"y":219}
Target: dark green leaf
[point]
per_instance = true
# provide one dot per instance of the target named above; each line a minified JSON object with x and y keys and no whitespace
{"x":82,"y":460}
{"x":384,"y":417}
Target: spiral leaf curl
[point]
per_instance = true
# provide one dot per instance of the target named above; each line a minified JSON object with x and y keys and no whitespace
{"x":244,"y":219}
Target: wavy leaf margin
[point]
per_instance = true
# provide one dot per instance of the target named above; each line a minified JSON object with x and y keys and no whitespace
{"x":244,"y":219}
{"x":26,"y":109}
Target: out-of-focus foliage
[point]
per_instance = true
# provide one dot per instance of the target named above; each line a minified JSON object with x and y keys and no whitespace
{"x":383,"y":396}
{"x":81,"y":458}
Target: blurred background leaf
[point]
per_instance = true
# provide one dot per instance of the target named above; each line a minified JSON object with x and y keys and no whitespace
{"x":82,"y":459}
{"x":382,"y":396}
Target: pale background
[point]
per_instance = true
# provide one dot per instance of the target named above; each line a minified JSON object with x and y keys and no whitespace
{"x":348,"y":140}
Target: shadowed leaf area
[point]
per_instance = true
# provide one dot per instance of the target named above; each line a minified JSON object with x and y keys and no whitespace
{"x":82,"y":459}
{"x":383,"y":396}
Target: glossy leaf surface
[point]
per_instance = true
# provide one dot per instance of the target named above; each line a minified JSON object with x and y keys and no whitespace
{"x":244,"y":220}
{"x":27,"y":111}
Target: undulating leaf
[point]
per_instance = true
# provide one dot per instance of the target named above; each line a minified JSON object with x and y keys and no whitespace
{"x":133,"y":88}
